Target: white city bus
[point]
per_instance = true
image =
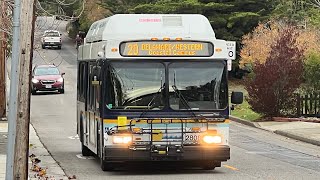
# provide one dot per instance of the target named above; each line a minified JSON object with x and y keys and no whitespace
{"x":153,"y":87}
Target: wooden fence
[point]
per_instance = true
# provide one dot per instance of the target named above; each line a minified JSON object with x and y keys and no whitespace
{"x":308,"y":105}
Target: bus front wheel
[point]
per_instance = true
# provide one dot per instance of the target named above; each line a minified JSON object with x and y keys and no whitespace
{"x":208,"y":165}
{"x":106,"y":166}
{"x":85,"y":150}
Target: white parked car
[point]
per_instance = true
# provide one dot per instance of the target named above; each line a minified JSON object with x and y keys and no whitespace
{"x":51,"y":38}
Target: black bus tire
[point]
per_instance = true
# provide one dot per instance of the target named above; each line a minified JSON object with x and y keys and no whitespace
{"x":208,"y":165}
{"x":106,"y":166}
{"x":85,"y":150}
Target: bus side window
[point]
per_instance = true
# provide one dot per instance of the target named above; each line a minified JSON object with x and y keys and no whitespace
{"x":88,"y":87}
{"x":92,"y":88}
{"x":85,"y":81}
{"x":96,"y":82}
{"x":82,"y":79}
{"x":79,"y":78}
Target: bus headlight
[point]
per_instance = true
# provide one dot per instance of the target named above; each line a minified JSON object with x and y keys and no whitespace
{"x":124,"y":139}
{"x":212,"y":139}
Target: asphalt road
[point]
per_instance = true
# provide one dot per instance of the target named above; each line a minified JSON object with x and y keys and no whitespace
{"x":255,"y":154}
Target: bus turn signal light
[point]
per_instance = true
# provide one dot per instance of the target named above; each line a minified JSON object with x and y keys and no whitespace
{"x":196,"y":129}
{"x":136,"y":130}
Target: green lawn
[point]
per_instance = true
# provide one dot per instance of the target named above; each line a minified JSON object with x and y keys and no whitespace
{"x":243,"y":110}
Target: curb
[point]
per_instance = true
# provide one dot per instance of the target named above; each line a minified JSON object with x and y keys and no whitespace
{"x":52,"y":167}
{"x":245,"y":122}
{"x":279,"y":132}
{"x":297,"y":137}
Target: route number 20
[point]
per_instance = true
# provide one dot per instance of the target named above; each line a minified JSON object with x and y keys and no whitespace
{"x":133,"y":49}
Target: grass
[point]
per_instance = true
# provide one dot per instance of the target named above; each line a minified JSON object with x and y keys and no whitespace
{"x":243,"y":110}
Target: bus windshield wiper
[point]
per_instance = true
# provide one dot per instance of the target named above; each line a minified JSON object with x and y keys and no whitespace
{"x":162,"y":86}
{"x":184,"y":101}
{"x":152,"y":99}
{"x":156,"y":94}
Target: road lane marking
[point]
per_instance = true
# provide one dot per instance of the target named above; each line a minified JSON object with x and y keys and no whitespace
{"x":257,"y":152}
{"x":230,"y":167}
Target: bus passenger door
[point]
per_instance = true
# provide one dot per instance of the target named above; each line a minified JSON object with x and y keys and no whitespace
{"x":93,"y":114}
{"x":82,"y":100}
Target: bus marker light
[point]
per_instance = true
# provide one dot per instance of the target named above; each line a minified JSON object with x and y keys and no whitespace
{"x":114,"y":49}
{"x":218,"y":49}
{"x":166,"y":39}
{"x":154,"y":39}
{"x":178,"y":39}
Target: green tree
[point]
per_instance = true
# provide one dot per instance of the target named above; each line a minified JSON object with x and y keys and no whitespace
{"x":230,"y":18}
{"x":312,"y":73}
{"x":300,"y":12}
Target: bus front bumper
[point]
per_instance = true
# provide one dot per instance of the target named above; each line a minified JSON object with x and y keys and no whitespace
{"x":187,"y":153}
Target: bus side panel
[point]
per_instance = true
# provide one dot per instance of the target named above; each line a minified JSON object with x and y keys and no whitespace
{"x":92,"y":129}
{"x":81,"y":115}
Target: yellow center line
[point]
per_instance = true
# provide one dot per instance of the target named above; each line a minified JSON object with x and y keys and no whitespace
{"x":230,"y":167}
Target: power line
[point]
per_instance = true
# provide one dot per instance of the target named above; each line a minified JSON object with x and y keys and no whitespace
{"x":70,"y":18}
{"x":66,"y":4}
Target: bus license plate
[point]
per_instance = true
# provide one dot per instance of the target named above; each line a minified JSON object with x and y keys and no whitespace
{"x":191,"y":137}
{"x":48,"y":86}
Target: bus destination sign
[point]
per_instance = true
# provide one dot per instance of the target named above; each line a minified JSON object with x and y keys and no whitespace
{"x":166,"y":48}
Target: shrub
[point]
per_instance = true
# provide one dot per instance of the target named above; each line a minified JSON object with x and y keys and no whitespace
{"x":312,"y":73}
{"x":273,"y":83}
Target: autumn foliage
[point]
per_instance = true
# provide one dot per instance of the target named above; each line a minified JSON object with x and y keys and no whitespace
{"x":256,"y":46}
{"x":271,"y":88}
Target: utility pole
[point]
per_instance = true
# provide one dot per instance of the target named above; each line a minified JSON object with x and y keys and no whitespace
{"x":3,"y":97}
{"x":13,"y":97}
{"x":20,"y":115}
{"x":23,"y":120}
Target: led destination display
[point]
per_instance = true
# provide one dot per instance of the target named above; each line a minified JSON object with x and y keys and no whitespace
{"x":166,"y":48}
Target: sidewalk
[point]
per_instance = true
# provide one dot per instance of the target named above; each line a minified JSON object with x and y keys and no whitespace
{"x":308,"y":132}
{"x":50,"y":169}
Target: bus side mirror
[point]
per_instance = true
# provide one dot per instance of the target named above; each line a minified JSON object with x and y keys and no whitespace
{"x":236,"y":97}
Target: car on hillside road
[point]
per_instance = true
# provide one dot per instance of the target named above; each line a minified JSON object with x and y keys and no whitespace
{"x":51,"y":38}
{"x":47,"y":78}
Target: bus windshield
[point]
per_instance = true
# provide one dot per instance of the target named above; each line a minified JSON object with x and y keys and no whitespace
{"x":136,"y":85}
{"x":192,"y":85}
{"x":197,"y":86}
